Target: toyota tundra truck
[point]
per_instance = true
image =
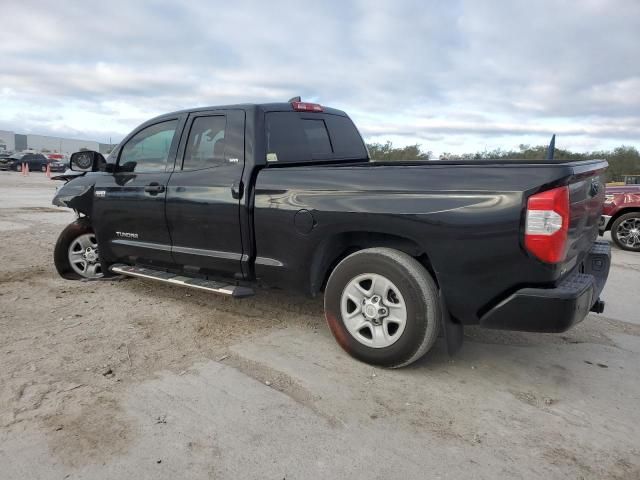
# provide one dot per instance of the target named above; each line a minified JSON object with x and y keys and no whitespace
{"x":224,"y":199}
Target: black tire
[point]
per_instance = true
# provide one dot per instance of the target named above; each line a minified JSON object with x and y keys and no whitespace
{"x":420,"y":295}
{"x":616,"y":227}
{"x":61,"y":250}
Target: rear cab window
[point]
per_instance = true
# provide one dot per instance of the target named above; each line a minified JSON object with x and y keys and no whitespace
{"x":317,"y":136}
{"x":299,"y":137}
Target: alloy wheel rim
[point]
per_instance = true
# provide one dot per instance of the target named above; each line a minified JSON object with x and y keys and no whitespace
{"x":83,"y":256}
{"x":373,"y":310}
{"x":628,"y":232}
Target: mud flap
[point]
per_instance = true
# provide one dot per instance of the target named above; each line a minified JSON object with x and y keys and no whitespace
{"x":453,"y":331}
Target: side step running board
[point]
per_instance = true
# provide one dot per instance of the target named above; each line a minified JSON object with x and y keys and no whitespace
{"x":167,"y":277}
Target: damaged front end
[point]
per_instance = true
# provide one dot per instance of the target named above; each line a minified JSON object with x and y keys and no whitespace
{"x":76,"y":194}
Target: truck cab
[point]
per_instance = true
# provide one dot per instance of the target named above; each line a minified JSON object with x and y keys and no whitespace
{"x":179,"y":190}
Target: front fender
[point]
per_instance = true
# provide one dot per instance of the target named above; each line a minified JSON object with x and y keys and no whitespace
{"x":77,"y":194}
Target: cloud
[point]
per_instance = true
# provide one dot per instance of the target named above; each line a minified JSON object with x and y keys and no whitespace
{"x":463,"y":73}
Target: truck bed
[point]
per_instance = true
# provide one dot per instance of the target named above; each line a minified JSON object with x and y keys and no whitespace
{"x":465,"y":218}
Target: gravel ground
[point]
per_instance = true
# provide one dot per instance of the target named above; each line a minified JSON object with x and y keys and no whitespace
{"x":131,"y":379}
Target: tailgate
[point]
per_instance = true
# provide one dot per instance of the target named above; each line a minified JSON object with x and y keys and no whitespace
{"x":586,"y":197}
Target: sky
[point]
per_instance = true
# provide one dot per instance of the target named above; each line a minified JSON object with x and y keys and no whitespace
{"x":453,"y":76}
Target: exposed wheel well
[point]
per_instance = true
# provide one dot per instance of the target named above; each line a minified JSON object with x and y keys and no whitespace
{"x":621,"y":212}
{"x":334,"y":249}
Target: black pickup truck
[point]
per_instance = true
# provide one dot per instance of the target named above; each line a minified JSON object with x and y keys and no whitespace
{"x":285,"y":195}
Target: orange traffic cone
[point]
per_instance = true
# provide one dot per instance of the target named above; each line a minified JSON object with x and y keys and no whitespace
{"x":23,"y":169}
{"x":27,"y":164}
{"x":48,"y":172}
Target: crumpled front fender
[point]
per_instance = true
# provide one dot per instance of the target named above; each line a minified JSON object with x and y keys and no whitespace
{"x":76,"y":194}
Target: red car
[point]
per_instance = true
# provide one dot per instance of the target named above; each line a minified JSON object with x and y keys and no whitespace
{"x":621,"y":215}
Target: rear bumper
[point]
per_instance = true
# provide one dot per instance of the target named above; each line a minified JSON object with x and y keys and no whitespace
{"x":555,"y":309}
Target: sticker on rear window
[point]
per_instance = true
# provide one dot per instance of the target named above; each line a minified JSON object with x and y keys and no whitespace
{"x":272,"y":157}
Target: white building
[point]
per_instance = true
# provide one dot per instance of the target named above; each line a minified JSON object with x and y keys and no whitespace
{"x":40,"y":143}
{"x":7,"y":141}
{"x":46,"y":144}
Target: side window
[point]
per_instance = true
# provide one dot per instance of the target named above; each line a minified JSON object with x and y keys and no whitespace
{"x":148,"y":150}
{"x":206,"y":143}
{"x":317,"y":136}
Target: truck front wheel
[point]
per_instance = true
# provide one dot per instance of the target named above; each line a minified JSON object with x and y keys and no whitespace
{"x":625,"y":231}
{"x":76,"y":252}
{"x":382,"y":307}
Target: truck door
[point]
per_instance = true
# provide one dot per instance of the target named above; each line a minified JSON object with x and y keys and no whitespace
{"x":204,"y":192}
{"x":129,"y":205}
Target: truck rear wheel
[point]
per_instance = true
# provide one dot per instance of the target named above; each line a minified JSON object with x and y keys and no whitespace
{"x":625,"y":231}
{"x":382,"y":307}
{"x":76,"y":252}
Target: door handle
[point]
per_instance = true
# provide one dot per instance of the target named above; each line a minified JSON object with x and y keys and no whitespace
{"x":154,"y":188}
{"x":237,"y":190}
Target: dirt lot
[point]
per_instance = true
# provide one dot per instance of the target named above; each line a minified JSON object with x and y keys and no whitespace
{"x":131,"y":379}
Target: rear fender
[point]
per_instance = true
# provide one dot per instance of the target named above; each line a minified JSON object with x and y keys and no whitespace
{"x":333,"y":249}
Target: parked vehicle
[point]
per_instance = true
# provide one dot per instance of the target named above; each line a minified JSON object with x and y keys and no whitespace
{"x":36,"y":161}
{"x":58,"y":162}
{"x":56,"y":165}
{"x":621,"y":215}
{"x":8,"y":162}
{"x":284,"y":194}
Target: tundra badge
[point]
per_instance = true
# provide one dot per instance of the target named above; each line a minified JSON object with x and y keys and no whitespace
{"x":127,"y":235}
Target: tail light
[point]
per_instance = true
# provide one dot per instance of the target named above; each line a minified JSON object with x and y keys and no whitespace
{"x":547,"y":225}
{"x":306,"y":107}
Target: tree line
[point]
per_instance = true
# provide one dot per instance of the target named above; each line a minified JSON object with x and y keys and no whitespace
{"x":622,"y":160}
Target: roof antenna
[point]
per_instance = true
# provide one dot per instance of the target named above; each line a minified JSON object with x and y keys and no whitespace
{"x":295,"y":99}
{"x":552,"y":148}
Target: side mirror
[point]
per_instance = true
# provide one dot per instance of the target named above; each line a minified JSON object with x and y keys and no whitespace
{"x":87,"y":161}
